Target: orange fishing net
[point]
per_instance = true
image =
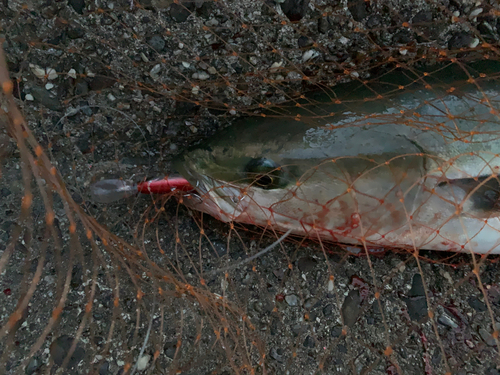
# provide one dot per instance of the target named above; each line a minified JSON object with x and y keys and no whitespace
{"x":117,"y":89}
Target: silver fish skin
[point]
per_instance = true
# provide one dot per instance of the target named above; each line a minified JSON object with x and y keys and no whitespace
{"x":415,"y":170}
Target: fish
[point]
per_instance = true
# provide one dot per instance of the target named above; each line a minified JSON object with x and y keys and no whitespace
{"x":416,"y":169}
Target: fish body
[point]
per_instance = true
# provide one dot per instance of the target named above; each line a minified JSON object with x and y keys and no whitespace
{"x":415,"y":170}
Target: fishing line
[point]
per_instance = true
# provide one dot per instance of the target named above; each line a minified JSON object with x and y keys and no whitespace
{"x":247,"y":260}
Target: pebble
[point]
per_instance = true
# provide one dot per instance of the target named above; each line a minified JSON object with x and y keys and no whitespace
{"x":179,"y":13}
{"x":309,"y":342}
{"x":142,"y":363}
{"x":292,"y":300}
{"x":157,"y":43}
{"x":42,"y":96}
{"x":476,"y":304}
{"x":59,"y":349}
{"x":51,"y":74}
{"x":306,"y":264}
{"x":33,"y":366}
{"x":153,"y":73}
{"x":295,"y":10}
{"x":487,"y":337}
{"x":201,"y":76}
{"x":447,"y":321}
{"x":351,"y":308}
{"x":77,"y":5}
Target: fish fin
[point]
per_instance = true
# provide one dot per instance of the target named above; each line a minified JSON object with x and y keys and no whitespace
{"x":483,"y":194}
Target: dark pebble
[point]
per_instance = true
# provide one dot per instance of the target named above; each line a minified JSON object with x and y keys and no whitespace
{"x":76,"y":33}
{"x":179,"y":13}
{"x":373,"y":21}
{"x":82,"y":88}
{"x":417,"y":307}
{"x":83,"y":143}
{"x":336,"y":331}
{"x":309,"y":342}
{"x":104,"y":368}
{"x":306,"y":264}
{"x":328,"y":310}
{"x":351,"y":308}
{"x":59,"y":349}
{"x":33,"y":366}
{"x":298,"y":329}
{"x":476,"y":304}
{"x":77,"y":5}
{"x":422,"y":17}
{"x":341,"y":349}
{"x":295,"y":10}
{"x":4,"y":192}
{"x":101,"y":82}
{"x":43,"y":97}
{"x":403,"y":36}
{"x":276,"y":354}
{"x":460,"y":40}
{"x":219,"y":247}
{"x":170,"y":348}
{"x":358,"y":9}
{"x":157,"y":43}
{"x":417,"y":286}
{"x":304,"y":41}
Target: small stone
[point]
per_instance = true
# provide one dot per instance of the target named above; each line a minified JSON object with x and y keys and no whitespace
{"x":476,"y":304}
{"x":49,"y":86}
{"x":142,"y":363}
{"x":487,"y":337}
{"x":42,"y":96}
{"x":51,"y":74}
{"x":153,"y":73}
{"x":304,"y":41}
{"x":292,"y":300}
{"x":37,"y":71}
{"x":460,"y":40}
{"x":81,"y":87}
{"x":351,"y":308}
{"x":33,"y":366}
{"x":295,"y":10}
{"x":476,"y":12}
{"x":328,"y":310}
{"x":306,"y":264}
{"x":179,"y":12}
{"x":201,"y":76}
{"x":157,"y":43}
{"x":336,"y":331}
{"x":422,"y":17}
{"x":358,"y":9}
{"x":76,"y":33}
{"x":308,"y":55}
{"x":310,"y":302}
{"x":77,"y":5}
{"x":447,"y":321}
{"x":309,"y":342}
{"x":275,"y":354}
{"x":59,"y":349}
{"x":29,"y":97}
{"x":417,"y":286}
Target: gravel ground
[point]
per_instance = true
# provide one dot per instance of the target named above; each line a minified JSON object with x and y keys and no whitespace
{"x":114,"y":89}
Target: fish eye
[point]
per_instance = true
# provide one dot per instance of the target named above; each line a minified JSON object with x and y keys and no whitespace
{"x":264,"y":173}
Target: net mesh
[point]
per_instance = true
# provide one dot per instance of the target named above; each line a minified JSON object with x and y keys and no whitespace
{"x":116,"y":89}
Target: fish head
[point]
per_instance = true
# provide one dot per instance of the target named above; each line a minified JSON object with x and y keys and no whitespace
{"x":238,"y":178}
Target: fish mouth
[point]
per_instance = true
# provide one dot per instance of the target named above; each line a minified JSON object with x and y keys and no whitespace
{"x":223,"y":200}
